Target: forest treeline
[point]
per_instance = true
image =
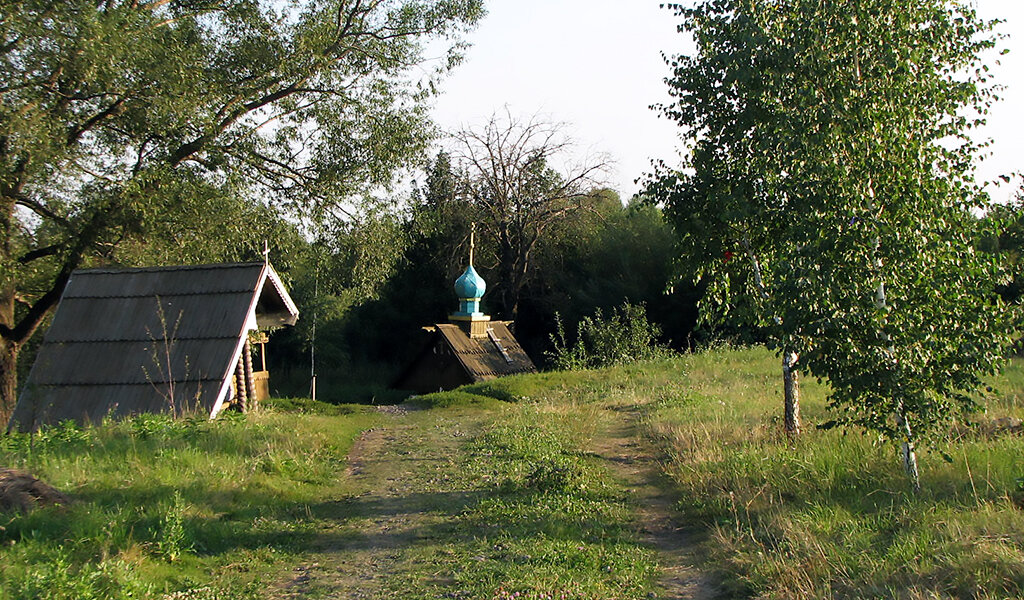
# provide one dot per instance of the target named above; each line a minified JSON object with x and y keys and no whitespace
{"x":368,"y":284}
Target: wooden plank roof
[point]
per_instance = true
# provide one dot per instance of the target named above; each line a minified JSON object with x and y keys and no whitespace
{"x":452,"y":358}
{"x":133,"y":340}
{"x":497,"y":355}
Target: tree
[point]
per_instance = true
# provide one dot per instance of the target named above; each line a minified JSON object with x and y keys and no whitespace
{"x":1002,"y":234}
{"x":830,"y":153}
{"x":516,"y":193}
{"x":117,"y":115}
{"x":439,"y":224}
{"x":602,"y":258}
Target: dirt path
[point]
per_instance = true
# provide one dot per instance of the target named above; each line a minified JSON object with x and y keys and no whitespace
{"x":409,"y":489}
{"x":403,"y":470}
{"x":635,"y":463}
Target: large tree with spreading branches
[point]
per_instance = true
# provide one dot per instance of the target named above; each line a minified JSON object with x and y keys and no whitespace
{"x":521,"y":177}
{"x":120,"y":117}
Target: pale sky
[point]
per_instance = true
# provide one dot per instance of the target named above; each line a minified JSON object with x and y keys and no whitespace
{"x":596,"y":65}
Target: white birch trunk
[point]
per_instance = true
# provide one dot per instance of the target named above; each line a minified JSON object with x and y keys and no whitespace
{"x":790,"y":374}
{"x":791,"y":385}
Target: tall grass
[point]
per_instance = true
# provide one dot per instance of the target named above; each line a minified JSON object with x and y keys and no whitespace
{"x":831,"y":515}
{"x":162,"y":505}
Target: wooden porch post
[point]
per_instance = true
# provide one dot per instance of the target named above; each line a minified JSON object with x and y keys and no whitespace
{"x":250,"y":385}
{"x":241,"y":389}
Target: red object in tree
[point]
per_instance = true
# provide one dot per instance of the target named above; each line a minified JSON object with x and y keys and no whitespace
{"x":728,"y":256}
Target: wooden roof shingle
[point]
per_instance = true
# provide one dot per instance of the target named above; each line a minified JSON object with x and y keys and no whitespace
{"x":482,"y":358}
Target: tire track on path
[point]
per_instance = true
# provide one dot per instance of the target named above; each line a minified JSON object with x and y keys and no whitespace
{"x":410,"y":491}
{"x":634,"y":462}
{"x":403,"y":471}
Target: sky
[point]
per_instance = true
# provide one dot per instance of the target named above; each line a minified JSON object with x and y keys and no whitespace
{"x":596,"y":66}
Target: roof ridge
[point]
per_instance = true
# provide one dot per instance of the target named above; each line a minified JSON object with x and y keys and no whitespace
{"x":157,"y":269}
{"x":162,"y":295}
{"x":119,"y":340}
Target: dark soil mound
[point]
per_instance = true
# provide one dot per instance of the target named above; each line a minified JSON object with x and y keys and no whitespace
{"x":21,"y":491}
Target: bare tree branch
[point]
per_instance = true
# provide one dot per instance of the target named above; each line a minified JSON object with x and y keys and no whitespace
{"x":522,"y":179}
{"x":41,"y":253}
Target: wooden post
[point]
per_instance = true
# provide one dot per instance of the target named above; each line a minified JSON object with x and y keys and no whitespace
{"x":241,"y":395}
{"x":250,"y":386}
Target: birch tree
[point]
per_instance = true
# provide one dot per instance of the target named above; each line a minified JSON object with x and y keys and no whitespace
{"x":829,"y":188}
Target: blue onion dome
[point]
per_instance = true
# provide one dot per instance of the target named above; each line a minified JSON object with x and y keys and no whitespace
{"x":470,"y":284}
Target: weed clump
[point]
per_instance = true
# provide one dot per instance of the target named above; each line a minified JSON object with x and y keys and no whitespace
{"x":623,"y":337}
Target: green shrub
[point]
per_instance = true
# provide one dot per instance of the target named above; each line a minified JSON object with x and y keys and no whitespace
{"x":172,"y":542}
{"x":625,"y":336}
{"x":554,"y":474}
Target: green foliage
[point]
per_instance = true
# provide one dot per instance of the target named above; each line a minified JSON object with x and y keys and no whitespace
{"x":828,"y":195}
{"x":602,"y":257}
{"x":141,"y":131}
{"x":1002,"y":234}
{"x":171,"y":541}
{"x":59,"y":575}
{"x":623,"y":337}
{"x":599,"y":256}
{"x":348,"y":265}
{"x":357,"y":278}
{"x":433,"y":235}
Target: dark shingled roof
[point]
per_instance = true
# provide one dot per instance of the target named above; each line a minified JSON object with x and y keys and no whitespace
{"x":130,"y":340}
{"x":452,"y":358}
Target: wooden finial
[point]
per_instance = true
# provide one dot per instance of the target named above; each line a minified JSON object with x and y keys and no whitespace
{"x":266,"y":252}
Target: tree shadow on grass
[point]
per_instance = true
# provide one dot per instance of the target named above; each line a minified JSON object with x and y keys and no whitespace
{"x":373,"y":507}
{"x":235,"y":520}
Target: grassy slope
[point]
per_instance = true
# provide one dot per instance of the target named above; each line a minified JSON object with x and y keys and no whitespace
{"x":173,"y":506}
{"x":831,"y":517}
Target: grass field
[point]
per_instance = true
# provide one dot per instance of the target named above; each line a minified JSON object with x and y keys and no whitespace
{"x":831,"y":516}
{"x":162,"y":505}
{"x":204,"y":510}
